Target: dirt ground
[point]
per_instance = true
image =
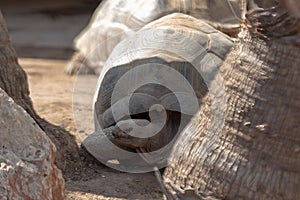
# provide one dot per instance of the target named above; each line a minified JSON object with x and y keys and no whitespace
{"x":42,"y":33}
{"x":52,"y":95}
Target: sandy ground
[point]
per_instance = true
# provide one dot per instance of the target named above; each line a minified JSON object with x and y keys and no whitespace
{"x":52,"y":93}
{"x":46,"y":29}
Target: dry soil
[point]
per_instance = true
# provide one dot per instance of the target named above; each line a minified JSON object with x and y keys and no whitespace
{"x":52,"y":95}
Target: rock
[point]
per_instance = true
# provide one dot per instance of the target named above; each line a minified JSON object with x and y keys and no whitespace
{"x":27,"y":169}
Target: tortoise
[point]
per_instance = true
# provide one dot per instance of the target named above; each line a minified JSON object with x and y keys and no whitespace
{"x":252,"y":150}
{"x":150,"y":87}
{"x":115,"y":20}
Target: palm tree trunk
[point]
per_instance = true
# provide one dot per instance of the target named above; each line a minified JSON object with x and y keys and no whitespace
{"x":256,"y":153}
{"x":13,"y":79}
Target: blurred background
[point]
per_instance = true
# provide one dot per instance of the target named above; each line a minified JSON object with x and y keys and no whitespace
{"x":46,"y":28}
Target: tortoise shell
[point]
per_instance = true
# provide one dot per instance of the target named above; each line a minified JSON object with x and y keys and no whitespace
{"x":115,"y":20}
{"x":170,"y":62}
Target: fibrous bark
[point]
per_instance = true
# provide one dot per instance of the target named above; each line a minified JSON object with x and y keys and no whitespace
{"x":253,"y":150}
{"x":13,"y":81}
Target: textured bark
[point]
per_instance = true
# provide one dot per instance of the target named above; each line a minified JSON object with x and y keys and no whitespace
{"x":13,"y":81}
{"x":20,"y":136}
{"x":256,"y":154}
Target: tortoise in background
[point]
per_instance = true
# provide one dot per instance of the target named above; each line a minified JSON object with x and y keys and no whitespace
{"x":116,"y":20}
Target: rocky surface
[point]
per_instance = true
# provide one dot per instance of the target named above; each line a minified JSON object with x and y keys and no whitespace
{"x":66,"y":101}
{"x":27,"y":169}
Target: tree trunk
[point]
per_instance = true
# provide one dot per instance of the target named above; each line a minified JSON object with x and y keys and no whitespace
{"x":13,"y":81}
{"x":254,"y":151}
